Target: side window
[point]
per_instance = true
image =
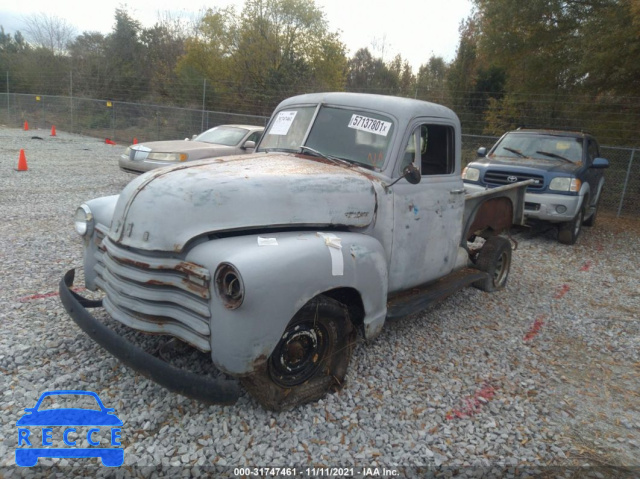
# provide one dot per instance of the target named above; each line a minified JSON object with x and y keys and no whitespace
{"x":255,"y":136}
{"x":436,"y":150}
{"x":435,"y":145}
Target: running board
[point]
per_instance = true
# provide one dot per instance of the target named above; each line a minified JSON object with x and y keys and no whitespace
{"x":421,"y":297}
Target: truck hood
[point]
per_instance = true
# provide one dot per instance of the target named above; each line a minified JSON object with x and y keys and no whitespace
{"x":165,"y":208}
{"x":551,"y":165}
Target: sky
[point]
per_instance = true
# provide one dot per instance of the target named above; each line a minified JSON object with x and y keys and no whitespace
{"x":416,"y":29}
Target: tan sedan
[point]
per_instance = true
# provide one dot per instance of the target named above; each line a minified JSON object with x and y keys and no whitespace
{"x":222,"y":140}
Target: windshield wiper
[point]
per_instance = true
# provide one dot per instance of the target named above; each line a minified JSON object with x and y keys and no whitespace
{"x":513,"y":150}
{"x":553,"y":155}
{"x":335,"y":159}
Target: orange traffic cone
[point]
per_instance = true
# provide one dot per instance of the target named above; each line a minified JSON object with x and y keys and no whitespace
{"x":135,"y":140}
{"x":22,"y":162}
{"x":53,"y":130}
{"x":26,"y":125}
{"x":108,"y":141}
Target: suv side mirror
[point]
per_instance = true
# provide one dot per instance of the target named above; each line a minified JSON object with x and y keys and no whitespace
{"x":482,"y":152}
{"x":248,"y":145}
{"x":600,"y":163}
{"x":412,"y":174}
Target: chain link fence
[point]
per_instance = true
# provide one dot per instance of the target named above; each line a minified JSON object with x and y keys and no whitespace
{"x":116,"y":120}
{"x":122,"y":122}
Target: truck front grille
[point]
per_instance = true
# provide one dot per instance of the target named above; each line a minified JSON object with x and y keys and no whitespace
{"x":498,"y":177}
{"x":155,"y":294}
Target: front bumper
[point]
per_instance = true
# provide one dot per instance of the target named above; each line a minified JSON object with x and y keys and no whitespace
{"x":544,"y":206}
{"x":138,"y":166}
{"x":183,"y":382}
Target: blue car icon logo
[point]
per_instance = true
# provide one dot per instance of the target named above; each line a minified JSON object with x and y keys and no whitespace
{"x":80,"y":425}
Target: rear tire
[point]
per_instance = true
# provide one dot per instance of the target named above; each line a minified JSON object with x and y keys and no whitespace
{"x":310,"y":360}
{"x":494,"y":258}
{"x":568,"y":232}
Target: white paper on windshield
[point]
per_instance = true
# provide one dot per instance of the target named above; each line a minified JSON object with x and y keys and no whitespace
{"x":282,"y":123}
{"x":371,"y":125}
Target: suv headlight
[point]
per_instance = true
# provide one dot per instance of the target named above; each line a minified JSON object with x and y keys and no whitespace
{"x":471,"y":174}
{"x":561,"y":183}
{"x":84,"y":221}
{"x":168,"y":156}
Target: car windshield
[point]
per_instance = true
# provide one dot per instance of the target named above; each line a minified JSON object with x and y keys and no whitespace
{"x":65,"y":401}
{"x":540,"y":146}
{"x":356,"y":136}
{"x":222,"y":135}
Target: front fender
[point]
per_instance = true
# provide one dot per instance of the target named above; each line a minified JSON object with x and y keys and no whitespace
{"x":281,"y":278}
{"x":102,"y":210}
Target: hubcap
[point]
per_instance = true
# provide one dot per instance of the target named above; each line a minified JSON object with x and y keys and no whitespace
{"x":299,"y":354}
{"x":502,"y":269}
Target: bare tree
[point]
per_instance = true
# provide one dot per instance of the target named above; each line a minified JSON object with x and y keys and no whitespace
{"x":49,"y":32}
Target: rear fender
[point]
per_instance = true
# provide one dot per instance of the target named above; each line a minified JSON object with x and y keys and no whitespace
{"x":494,"y":210}
{"x":278,"y":280}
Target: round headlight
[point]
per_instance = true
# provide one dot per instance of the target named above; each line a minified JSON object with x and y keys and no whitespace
{"x":84,"y":221}
{"x":471,"y":174}
{"x":229,"y":285}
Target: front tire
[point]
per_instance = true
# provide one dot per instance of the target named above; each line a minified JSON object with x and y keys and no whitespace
{"x":591,"y":221}
{"x":568,"y":232}
{"x":494,"y":258}
{"x":310,"y":360}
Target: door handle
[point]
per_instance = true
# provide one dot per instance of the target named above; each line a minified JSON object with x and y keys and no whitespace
{"x":457,"y":192}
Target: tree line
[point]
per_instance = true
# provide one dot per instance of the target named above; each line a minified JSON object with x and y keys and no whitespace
{"x":573,"y":64}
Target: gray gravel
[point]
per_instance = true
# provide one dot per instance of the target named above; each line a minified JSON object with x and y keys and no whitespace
{"x":544,"y":373}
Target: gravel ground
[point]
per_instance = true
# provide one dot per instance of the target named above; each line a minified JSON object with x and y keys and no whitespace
{"x":540,"y":378}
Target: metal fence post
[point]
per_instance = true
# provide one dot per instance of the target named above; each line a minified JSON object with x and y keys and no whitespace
{"x":204,"y":94}
{"x":626,"y":180}
{"x":8,"y":109}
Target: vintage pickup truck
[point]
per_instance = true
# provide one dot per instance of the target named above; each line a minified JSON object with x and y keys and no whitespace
{"x":351,"y":211}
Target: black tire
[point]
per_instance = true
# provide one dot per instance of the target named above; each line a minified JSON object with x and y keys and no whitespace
{"x":310,"y":360}
{"x":591,"y":221}
{"x":494,"y":258}
{"x":568,"y":232}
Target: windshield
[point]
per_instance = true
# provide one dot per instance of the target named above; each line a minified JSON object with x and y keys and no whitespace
{"x":344,"y":133}
{"x":540,"y":146}
{"x":222,"y":135}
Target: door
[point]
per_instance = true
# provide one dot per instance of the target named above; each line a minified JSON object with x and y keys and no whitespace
{"x":428,"y":215}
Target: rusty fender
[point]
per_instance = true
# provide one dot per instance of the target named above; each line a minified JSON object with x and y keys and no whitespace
{"x":280,"y":273}
{"x":201,"y":388}
{"x":495,"y":209}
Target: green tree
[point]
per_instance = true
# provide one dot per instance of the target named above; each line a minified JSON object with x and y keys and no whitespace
{"x":431,"y":80}
{"x":271,"y":50}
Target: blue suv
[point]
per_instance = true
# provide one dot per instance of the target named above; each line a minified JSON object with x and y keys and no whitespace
{"x":565,"y":166}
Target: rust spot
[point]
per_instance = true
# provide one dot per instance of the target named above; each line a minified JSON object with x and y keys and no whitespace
{"x":356,"y":214}
{"x":259,"y":362}
{"x":138,"y":264}
{"x":495,"y":214}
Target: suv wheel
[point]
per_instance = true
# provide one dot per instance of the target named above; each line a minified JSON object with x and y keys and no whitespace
{"x":591,"y":221}
{"x":568,"y":232}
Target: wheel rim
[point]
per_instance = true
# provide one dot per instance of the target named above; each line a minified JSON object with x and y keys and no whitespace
{"x":299,"y":353}
{"x":502,"y":269}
